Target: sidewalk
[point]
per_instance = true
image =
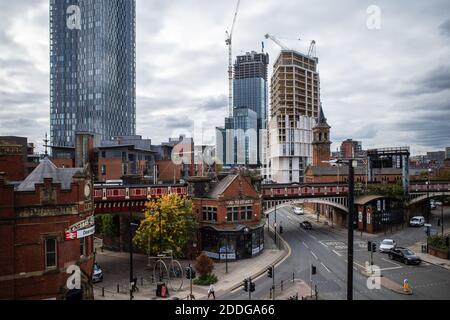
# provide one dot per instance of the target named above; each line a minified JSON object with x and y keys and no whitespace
{"x":237,"y":272}
{"x":417,"y":249}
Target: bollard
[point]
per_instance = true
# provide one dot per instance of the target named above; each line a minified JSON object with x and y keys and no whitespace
{"x":293,"y":276}
{"x":281,"y":285}
{"x":103,"y":291}
{"x":142,"y":281}
{"x":118,"y":288}
{"x":270,"y":293}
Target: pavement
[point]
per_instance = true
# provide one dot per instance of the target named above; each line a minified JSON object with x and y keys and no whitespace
{"x":115,"y":267}
{"x":417,"y":249}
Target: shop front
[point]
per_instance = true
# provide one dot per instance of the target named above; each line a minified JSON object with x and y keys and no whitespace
{"x":241,"y":242}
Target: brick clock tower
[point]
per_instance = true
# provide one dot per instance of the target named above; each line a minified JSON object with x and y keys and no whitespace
{"x":321,"y":141}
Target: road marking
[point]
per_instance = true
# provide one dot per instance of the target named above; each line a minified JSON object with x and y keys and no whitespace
{"x":313,"y":237}
{"x":314,"y":255}
{"x":325,"y":267}
{"x":323,"y":244}
{"x":396,"y":264}
{"x":340,"y":255}
{"x":305,"y":245}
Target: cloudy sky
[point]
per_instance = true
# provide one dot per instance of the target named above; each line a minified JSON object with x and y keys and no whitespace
{"x":388,"y":86}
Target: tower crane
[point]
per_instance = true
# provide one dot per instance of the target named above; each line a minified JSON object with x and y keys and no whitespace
{"x":229,"y":43}
{"x":278,"y":42}
{"x":311,"y":50}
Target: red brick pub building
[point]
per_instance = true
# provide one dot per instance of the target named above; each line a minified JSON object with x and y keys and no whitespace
{"x":229,"y":213}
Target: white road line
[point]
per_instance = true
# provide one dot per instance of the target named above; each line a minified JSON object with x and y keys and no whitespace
{"x":314,"y":255}
{"x":325,"y":267}
{"x":396,"y":264}
{"x":340,"y":255}
{"x":392,"y":268}
{"x":313,"y":237}
{"x":323,"y":244}
{"x":305,"y":245}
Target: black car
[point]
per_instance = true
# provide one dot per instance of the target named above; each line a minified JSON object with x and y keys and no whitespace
{"x":305,"y":225}
{"x":404,"y":255}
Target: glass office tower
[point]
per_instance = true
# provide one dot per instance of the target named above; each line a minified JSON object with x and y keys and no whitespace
{"x":92,"y":69}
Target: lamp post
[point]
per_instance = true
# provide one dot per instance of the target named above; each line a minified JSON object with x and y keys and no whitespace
{"x":352,"y":163}
{"x":131,"y":257}
{"x":428,"y":196}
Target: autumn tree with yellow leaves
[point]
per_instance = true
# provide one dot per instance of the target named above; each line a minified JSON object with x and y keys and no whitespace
{"x":172,"y":215}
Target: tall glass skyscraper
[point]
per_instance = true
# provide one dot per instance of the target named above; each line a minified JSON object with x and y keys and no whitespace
{"x":92,"y":69}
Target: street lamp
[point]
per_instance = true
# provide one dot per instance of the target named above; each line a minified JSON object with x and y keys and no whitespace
{"x":131,"y":256}
{"x":352,"y":164}
{"x":428,"y":196}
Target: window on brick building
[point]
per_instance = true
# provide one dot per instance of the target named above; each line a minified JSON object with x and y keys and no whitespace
{"x":104,"y":170}
{"x":209,"y":214}
{"x":232,"y":214}
{"x":50,"y":253}
{"x":246,"y":213}
{"x":83,"y":247}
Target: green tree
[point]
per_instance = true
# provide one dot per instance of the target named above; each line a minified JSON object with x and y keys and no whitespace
{"x":394,"y":191}
{"x":170,"y":217}
{"x":105,"y":224}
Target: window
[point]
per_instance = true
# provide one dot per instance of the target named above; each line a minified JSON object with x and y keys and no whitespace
{"x":103,"y":170}
{"x":82,"y":246}
{"x":246,"y":213}
{"x":50,"y":253}
{"x":232,"y":214}
{"x":209,"y":214}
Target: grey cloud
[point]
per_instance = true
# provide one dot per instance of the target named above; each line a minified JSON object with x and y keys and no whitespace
{"x":444,"y":28}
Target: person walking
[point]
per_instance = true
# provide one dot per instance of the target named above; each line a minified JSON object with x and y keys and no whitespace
{"x":211,"y":292}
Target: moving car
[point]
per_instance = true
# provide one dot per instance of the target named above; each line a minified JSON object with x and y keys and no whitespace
{"x":404,"y":255}
{"x":305,"y":225}
{"x":298,"y":210}
{"x":97,"y":275}
{"x":387,"y":244}
{"x":417,"y":221}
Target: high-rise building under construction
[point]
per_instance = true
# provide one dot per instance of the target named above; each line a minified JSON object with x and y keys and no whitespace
{"x":294,"y":110}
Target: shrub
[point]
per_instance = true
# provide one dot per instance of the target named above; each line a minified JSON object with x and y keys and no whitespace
{"x":206,"y":280}
{"x":437,"y":242}
{"x":204,"y":265}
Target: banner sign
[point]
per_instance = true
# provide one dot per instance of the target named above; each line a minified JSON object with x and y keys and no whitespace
{"x":81,"y":229}
{"x":83,"y":224}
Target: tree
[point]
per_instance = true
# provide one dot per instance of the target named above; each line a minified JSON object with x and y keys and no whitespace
{"x":105,"y":224}
{"x":204,"y":265}
{"x":394,"y":191}
{"x":169,"y":218}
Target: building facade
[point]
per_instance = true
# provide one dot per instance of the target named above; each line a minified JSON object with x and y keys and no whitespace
{"x":295,"y":104}
{"x":229,"y":213}
{"x":92,"y":69}
{"x":47,"y":229}
{"x":351,"y":149}
{"x":321,"y":142}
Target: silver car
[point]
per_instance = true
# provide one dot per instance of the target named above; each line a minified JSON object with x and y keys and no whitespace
{"x":387,"y":244}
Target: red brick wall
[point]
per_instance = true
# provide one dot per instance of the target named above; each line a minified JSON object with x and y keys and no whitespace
{"x":167,"y":169}
{"x":13,"y":166}
{"x":113,"y":169}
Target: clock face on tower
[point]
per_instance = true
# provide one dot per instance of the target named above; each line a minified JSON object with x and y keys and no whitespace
{"x":87,"y":190}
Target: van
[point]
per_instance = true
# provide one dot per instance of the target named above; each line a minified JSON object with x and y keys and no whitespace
{"x":418,"y":221}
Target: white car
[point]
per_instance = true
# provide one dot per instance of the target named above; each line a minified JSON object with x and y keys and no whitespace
{"x":418,"y":221}
{"x":387,"y":244}
{"x":298,"y":210}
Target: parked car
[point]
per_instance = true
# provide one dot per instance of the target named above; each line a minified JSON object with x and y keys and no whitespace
{"x":298,"y":210}
{"x":97,"y":275}
{"x":417,"y":221}
{"x":387,"y":244}
{"x":438,"y":203}
{"x":305,"y":225}
{"x":404,"y":255}
{"x":433,"y":206}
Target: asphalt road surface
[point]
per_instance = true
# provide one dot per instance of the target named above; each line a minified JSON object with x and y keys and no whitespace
{"x":326,"y":248}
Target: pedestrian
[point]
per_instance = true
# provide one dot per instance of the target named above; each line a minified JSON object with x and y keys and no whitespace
{"x":211,"y":292}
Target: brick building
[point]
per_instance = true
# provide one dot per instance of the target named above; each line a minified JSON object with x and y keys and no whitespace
{"x":229,"y":213}
{"x":17,"y":157}
{"x":36,"y":216}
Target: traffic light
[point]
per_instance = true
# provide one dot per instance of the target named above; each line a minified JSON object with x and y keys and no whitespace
{"x":374,"y":247}
{"x":270,"y":272}
{"x":369,"y":246}
{"x":252,"y":287}
{"x":313,"y":270}
{"x":246,"y":285}
{"x":190,"y":273}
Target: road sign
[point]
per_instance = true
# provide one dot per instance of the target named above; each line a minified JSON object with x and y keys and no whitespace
{"x":73,"y":235}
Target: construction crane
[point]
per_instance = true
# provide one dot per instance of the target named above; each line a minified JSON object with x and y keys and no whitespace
{"x":311,"y":50}
{"x":229,"y":43}
{"x":278,"y":42}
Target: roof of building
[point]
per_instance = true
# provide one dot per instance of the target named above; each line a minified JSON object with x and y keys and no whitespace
{"x":322,"y":122}
{"x":221,"y":186}
{"x":46,"y":169}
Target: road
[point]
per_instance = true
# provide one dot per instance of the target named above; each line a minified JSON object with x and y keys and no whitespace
{"x":326,"y":248}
